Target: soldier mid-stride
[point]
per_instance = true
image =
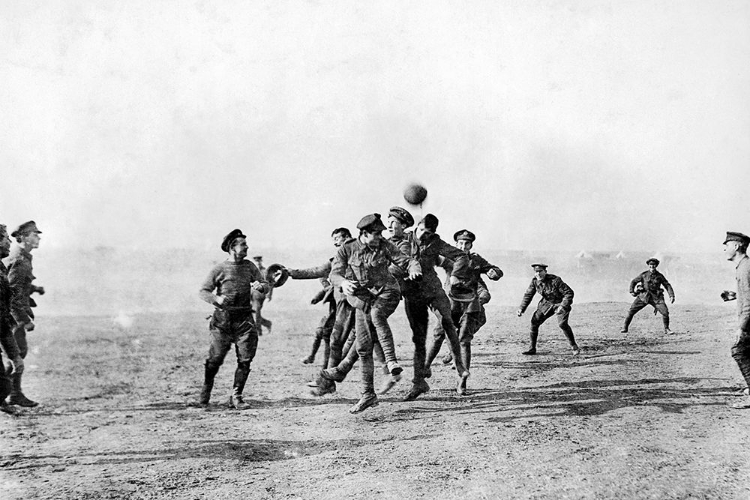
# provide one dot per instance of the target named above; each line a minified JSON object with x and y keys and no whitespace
{"x":557,"y":300}
{"x":229,"y":288}
{"x":20,"y":279}
{"x":647,"y":289}
{"x":360,"y":268}
{"x":735,"y":248}
{"x":8,"y":343}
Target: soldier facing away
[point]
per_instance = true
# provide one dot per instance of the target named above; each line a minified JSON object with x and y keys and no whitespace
{"x":8,"y":343}
{"x":229,"y":288}
{"x":650,"y":292}
{"x":557,"y":300}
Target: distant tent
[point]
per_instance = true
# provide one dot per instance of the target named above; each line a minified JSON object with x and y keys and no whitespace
{"x":583,"y":254}
{"x":621,"y":255}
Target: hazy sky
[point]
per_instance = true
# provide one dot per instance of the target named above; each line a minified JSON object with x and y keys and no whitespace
{"x":558,"y":124}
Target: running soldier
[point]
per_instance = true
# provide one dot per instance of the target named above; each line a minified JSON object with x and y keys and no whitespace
{"x":647,"y":289}
{"x":360,"y":268}
{"x":20,"y":278}
{"x":735,"y":248}
{"x":8,"y":343}
{"x":557,"y":300}
{"x":467,"y":308}
{"x":229,"y":288}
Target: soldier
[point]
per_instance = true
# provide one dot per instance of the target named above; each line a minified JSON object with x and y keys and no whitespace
{"x":360,"y":268}
{"x":8,"y":343}
{"x":259,"y":298}
{"x":427,"y":293}
{"x":467,"y":308}
{"x":735,"y":248}
{"x":20,"y":278}
{"x":228,"y":288}
{"x":557,"y":299}
{"x":650,"y":292}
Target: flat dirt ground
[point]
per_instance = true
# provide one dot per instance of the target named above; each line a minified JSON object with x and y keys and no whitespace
{"x":641,"y":415}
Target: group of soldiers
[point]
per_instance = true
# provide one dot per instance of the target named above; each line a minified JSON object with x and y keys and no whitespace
{"x":16,"y":314}
{"x":363,"y":284}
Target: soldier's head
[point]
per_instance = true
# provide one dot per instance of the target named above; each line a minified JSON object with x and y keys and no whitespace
{"x":540,"y":271}
{"x":4,"y":242}
{"x":652,"y":264}
{"x":464,"y":240}
{"x":235,"y":244}
{"x":735,"y":245}
{"x":27,"y":234}
{"x":371,"y":230}
{"x":340,"y":235}
{"x":427,"y":226}
{"x":398,"y":220}
{"x":258,"y":258}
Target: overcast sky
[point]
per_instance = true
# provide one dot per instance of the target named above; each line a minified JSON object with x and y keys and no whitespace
{"x":547,"y":125}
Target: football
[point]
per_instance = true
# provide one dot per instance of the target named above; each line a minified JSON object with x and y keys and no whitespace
{"x":415,"y":194}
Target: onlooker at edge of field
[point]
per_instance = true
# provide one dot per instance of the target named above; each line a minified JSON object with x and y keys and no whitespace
{"x":229,"y":288}
{"x":735,"y":248}
{"x":20,"y":278}
{"x":650,"y":292}
{"x":467,"y":307}
{"x":7,"y":341}
{"x":259,"y":298}
{"x":557,"y":299}
{"x":360,"y":268}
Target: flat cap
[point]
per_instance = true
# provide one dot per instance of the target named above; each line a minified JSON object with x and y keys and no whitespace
{"x":461,"y":293}
{"x":401,"y":214}
{"x":464,"y":234}
{"x":430,"y":222}
{"x":653,"y":260}
{"x":257,"y":257}
{"x":733,"y":236}
{"x":26,"y":228}
{"x":226,"y":243}
{"x":371,"y":223}
{"x":276,"y":274}
{"x":543,"y":266}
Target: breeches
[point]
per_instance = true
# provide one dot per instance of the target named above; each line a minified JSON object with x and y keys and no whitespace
{"x":229,"y":328}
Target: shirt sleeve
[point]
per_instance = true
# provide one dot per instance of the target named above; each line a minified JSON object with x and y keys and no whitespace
{"x":528,"y":295}
{"x":206,"y":292}
{"x":567,"y":293}
{"x":401,"y":259}
{"x":20,"y":285}
{"x":309,"y":273}
{"x":459,"y":258}
{"x":338,"y":266}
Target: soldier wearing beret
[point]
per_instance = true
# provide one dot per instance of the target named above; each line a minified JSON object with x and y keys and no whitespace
{"x":259,"y":298}
{"x":650,"y":292}
{"x":229,"y":288}
{"x":427,"y":247}
{"x":557,"y":299}
{"x":20,"y":279}
{"x":467,"y":305}
{"x":360,"y":268}
{"x":7,"y":341}
{"x":735,"y":248}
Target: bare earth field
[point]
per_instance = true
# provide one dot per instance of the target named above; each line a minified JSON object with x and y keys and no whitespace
{"x":641,"y":415}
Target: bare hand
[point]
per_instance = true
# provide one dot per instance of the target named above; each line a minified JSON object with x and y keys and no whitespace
{"x":257,"y":286}
{"x":40,"y":290}
{"x":414,"y":274}
{"x":29,"y":326}
{"x":494,"y":275}
{"x":519,"y":313}
{"x":454,"y":281}
{"x":728,"y":295}
{"x":348,"y":287}
{"x":220,"y":299}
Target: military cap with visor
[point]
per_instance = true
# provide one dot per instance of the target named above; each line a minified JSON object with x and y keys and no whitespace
{"x":734,"y":236}
{"x":464,"y":234}
{"x":543,"y":266}
{"x":26,"y":228}
{"x":402,"y":215}
{"x":652,"y":260}
{"x":228,"y":240}
{"x":371,"y":223}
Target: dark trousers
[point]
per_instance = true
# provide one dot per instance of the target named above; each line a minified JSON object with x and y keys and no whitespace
{"x":639,"y":304}
{"x":741,"y":354}
{"x":541,"y":315}
{"x":229,"y":328}
{"x":343,"y":325}
{"x":6,"y":381}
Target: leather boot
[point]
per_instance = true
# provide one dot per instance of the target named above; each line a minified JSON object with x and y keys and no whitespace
{"x":308,"y":360}
{"x":208,"y":383}
{"x":240,"y":377}
{"x":432,"y":354}
{"x":533,"y":335}
{"x":466,"y":359}
{"x":16,"y":394}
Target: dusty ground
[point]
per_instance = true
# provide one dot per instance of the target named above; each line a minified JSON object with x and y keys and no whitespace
{"x":636,"y":416}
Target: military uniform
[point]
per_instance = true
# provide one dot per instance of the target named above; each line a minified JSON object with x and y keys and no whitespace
{"x":377,"y":295}
{"x":557,"y":300}
{"x":652,"y":293}
{"x":741,"y":348}
{"x":233,"y":321}
{"x":427,"y":293}
{"x":7,"y":341}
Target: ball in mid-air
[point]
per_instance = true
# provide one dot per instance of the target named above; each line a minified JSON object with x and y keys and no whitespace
{"x":415,"y":194}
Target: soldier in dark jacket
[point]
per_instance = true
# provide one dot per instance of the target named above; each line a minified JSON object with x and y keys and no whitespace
{"x":7,"y":342}
{"x":557,"y":299}
{"x":229,"y":288}
{"x":735,"y":247}
{"x":20,"y":278}
{"x":650,"y":292}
